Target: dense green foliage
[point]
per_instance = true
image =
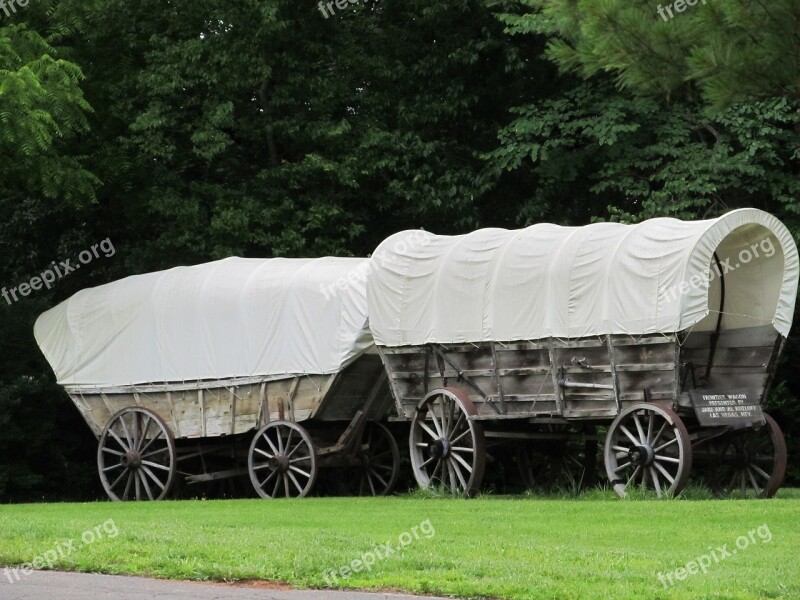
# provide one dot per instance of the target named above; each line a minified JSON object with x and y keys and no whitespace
{"x":727,"y":52}
{"x":191,"y":130}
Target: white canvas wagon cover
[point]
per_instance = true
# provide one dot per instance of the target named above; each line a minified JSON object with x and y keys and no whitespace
{"x":235,"y":317}
{"x":659,"y":276}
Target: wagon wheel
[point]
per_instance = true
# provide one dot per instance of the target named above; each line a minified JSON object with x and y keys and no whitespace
{"x":136,"y":456}
{"x":565,"y":458}
{"x":446,"y":446}
{"x":380,"y":461}
{"x":648,"y":445}
{"x":749,"y":463}
{"x":282,"y":461}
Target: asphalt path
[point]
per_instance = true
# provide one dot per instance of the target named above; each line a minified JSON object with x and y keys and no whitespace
{"x":53,"y":585}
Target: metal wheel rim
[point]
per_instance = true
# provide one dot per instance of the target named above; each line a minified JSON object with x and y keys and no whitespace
{"x":653,"y":427}
{"x":763,"y":474}
{"x":461,"y":468}
{"x":382,"y":455}
{"x":282,"y":461}
{"x":136,"y":456}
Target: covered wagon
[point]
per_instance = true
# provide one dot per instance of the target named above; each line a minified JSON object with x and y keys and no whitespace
{"x":666,"y":333}
{"x":238,"y":366}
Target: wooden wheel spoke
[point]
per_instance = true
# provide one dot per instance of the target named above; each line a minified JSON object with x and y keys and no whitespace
{"x":152,"y":476}
{"x":450,"y":427}
{"x":629,"y":435}
{"x":146,"y":485}
{"x":118,"y":479}
{"x":279,"y":437}
{"x":632,"y":478}
{"x":665,"y":445}
{"x":463,"y":462}
{"x":460,"y":436}
{"x":157,"y":436}
{"x":289,"y":441}
{"x":375,"y":474}
{"x":142,"y":433}
{"x":436,"y":468}
{"x":639,"y":429}
{"x":622,"y":466}
{"x":137,"y":485}
{"x":659,"y":434}
{"x":128,"y":485}
{"x":112,"y":467}
{"x":436,"y":424}
{"x":656,"y":484}
{"x":278,"y":481}
{"x":451,"y":476}
{"x":462,"y":449}
{"x":122,"y":444}
{"x":300,"y":444}
{"x":154,"y":465}
{"x":428,"y":461}
{"x":295,"y":482}
{"x":155,"y":452}
{"x":299,"y":470}
{"x":457,"y":424}
{"x":261,"y":452}
{"x":459,"y":474}
{"x":753,"y":482}
{"x":760,"y":471}
{"x":127,"y":434}
{"x":664,"y":472}
{"x":371,"y":485}
{"x":669,"y":459}
{"x":275,"y":450}
{"x":428,"y":430}
{"x":114,"y":452}
{"x":266,"y":481}
{"x":651,"y":418}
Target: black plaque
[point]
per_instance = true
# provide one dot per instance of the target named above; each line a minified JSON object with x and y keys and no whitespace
{"x":726,"y":408}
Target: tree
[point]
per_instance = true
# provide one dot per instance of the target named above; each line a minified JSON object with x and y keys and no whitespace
{"x":724,"y":51}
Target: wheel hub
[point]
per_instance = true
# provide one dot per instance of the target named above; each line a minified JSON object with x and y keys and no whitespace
{"x":279,"y":463}
{"x":641,"y":455}
{"x":131,"y":460}
{"x":440,"y":448}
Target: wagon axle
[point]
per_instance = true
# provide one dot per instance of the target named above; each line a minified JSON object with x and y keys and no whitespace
{"x":641,"y":455}
{"x":131,"y":460}
{"x":440,"y":448}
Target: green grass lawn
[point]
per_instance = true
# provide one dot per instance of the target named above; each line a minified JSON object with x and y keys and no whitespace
{"x":596,"y":546}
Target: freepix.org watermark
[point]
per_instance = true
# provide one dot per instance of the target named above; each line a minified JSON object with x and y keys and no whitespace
{"x":678,"y":5}
{"x":61,"y":550}
{"x":715,"y":555}
{"x":764,"y":248}
{"x":360,"y":273}
{"x":54,"y":272}
{"x":380,"y":552}
{"x":9,"y":7}
{"x":340,"y":4}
